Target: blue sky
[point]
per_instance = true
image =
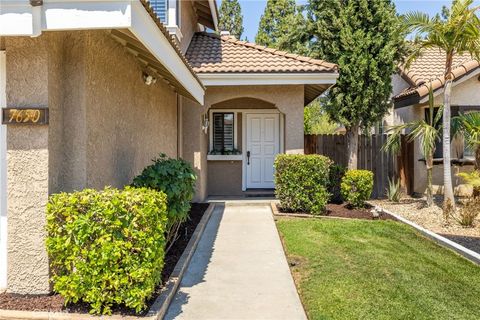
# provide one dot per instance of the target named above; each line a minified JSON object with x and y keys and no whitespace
{"x":253,"y":9}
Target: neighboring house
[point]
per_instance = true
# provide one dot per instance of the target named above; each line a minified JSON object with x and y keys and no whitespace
{"x":410,"y":98}
{"x":102,"y":87}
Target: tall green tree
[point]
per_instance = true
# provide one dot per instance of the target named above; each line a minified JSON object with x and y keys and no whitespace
{"x":316,"y":120}
{"x":278,"y":23}
{"x":457,"y":32}
{"x":366,"y":39}
{"x":231,"y":18}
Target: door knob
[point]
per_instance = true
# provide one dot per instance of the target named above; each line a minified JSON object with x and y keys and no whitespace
{"x":248,"y":158}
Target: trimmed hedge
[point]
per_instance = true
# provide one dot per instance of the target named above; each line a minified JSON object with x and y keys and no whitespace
{"x":357,"y":187}
{"x":176,"y":178}
{"x":107,"y":247}
{"x":301,"y":182}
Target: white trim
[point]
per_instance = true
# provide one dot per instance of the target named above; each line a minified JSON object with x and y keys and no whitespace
{"x":173,"y":26}
{"x":3,"y":177}
{"x":175,"y":31}
{"x":214,"y":13}
{"x":19,"y":18}
{"x":239,"y":79}
{"x":224,"y":157}
{"x":454,"y":84}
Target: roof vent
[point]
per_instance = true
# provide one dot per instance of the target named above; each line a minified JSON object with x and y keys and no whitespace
{"x":225,"y":33}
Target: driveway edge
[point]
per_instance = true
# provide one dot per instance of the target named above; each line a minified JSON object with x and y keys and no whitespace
{"x":157,"y":310}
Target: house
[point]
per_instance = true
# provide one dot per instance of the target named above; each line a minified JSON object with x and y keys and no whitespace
{"x":410,"y":99}
{"x":91,"y":91}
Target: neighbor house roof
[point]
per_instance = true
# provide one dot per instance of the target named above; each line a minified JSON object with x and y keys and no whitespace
{"x":209,"y":53}
{"x":428,"y":71}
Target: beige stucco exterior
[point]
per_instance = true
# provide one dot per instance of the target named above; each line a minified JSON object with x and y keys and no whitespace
{"x":466,"y":92}
{"x":105,"y":126}
{"x":287,"y":99}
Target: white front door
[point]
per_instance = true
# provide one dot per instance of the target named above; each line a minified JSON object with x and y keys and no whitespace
{"x":263,"y":144}
{"x":3,"y":177}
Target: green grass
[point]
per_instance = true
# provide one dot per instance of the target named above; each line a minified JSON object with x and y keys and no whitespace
{"x":352,"y":269}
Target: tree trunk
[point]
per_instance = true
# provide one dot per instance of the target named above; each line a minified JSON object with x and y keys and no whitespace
{"x":352,"y":145}
{"x":476,"y":190}
{"x":449,"y":200}
{"x":429,"y":164}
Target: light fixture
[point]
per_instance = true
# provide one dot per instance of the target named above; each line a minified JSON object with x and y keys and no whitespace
{"x":148,"y":79}
{"x":205,"y":123}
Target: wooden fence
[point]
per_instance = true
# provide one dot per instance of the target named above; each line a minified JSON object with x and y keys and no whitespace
{"x":370,"y":157}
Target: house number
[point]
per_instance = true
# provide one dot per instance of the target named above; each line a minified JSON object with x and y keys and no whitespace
{"x":25,"y":116}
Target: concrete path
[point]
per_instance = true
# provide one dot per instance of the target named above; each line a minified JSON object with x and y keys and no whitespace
{"x":239,"y":270}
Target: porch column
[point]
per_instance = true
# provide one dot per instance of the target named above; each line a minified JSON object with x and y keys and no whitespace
{"x":27,"y":168}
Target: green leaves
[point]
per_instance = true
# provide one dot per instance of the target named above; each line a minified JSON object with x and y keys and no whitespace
{"x":301,"y":182}
{"x":176,"y":179}
{"x":366,"y":39}
{"x":231,"y":18}
{"x":357,"y":187}
{"x":107,"y":247}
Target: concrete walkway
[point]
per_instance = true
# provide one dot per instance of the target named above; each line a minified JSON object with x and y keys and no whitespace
{"x":239,"y":270}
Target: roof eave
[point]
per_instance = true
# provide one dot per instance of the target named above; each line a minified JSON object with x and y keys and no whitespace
{"x":19,"y":18}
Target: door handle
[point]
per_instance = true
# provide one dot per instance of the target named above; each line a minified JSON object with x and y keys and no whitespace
{"x":248,"y":158}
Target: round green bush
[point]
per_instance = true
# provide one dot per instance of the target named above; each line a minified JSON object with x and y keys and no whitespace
{"x":301,"y":182}
{"x":107,"y":247}
{"x":357,"y":187}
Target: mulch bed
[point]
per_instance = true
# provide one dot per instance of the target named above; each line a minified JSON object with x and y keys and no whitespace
{"x":345,"y":211}
{"x":56,"y":303}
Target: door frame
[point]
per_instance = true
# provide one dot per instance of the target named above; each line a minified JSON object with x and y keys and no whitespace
{"x":3,"y":175}
{"x":281,"y":120}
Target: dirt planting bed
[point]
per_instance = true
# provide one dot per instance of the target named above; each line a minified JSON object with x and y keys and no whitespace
{"x":55,"y":303}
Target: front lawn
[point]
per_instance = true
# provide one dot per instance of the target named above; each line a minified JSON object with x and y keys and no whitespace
{"x":352,"y":269}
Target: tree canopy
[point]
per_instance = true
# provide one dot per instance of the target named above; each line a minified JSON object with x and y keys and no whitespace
{"x":231,"y":18}
{"x":275,"y":23}
{"x":366,"y":39}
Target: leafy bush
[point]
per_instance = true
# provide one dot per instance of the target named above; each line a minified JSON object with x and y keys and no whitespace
{"x":107,"y":247}
{"x":469,"y":212}
{"x":357,"y":187}
{"x":176,"y":178}
{"x":335,"y":179}
{"x":301,"y":182}
{"x":394,"y":190}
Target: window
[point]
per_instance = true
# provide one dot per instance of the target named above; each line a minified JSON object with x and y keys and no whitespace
{"x":223,"y":132}
{"x":160,"y":8}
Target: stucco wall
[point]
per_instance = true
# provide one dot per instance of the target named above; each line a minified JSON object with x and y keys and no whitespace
{"x":29,"y":68}
{"x":105,"y":126}
{"x":224,"y":178}
{"x":188,"y":23}
{"x":287,"y":99}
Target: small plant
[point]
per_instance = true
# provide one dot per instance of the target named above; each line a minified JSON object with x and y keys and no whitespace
{"x":334,"y":185}
{"x":469,"y":212}
{"x":107,"y":247}
{"x":301,"y":182}
{"x":394,"y":190}
{"x":176,"y":178}
{"x":357,"y":187}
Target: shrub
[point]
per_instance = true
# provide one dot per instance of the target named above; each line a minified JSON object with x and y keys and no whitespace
{"x":301,"y":182}
{"x":335,"y":179}
{"x":176,"y":178}
{"x":107,"y":247}
{"x":357,"y":187}
{"x":469,"y":212}
{"x":394,"y":190}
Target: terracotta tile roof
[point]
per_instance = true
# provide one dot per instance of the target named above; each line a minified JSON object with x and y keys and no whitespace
{"x":210,"y":53}
{"x":428,"y":71}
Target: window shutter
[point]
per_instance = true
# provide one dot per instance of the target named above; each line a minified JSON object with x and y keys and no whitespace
{"x":160,"y":8}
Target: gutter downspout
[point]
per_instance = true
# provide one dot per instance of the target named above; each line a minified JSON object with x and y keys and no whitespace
{"x":36,"y":17}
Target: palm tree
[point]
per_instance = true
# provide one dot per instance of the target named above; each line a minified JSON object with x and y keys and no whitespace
{"x":428,"y":132}
{"x":468,"y":125}
{"x":455,"y":34}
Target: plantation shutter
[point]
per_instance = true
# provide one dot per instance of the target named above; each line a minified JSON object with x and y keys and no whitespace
{"x":223,"y":132}
{"x":160,"y":8}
